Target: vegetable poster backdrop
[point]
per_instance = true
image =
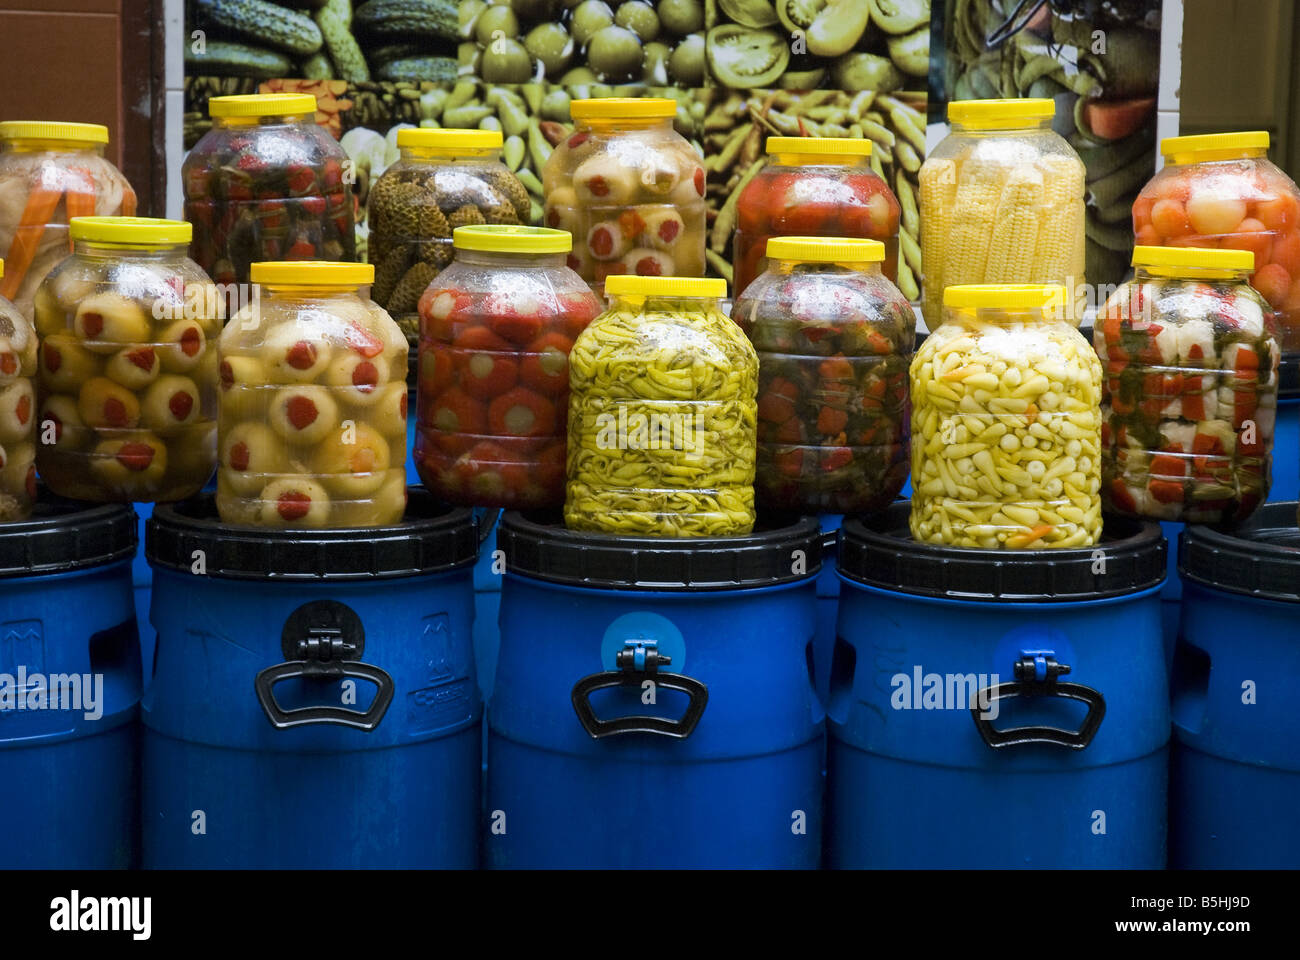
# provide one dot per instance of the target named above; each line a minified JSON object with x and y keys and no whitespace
{"x":740,"y":71}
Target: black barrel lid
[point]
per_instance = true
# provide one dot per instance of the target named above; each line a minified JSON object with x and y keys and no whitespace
{"x":432,"y":538}
{"x":1288,"y":377}
{"x":66,"y":535}
{"x":880,"y":552}
{"x":536,"y":544}
{"x":1260,"y":558}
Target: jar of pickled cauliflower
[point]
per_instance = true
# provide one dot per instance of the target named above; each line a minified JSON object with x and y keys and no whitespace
{"x":50,"y":173}
{"x":313,"y":403}
{"x":18,"y":351}
{"x":266,"y":183}
{"x":443,"y":179}
{"x":1006,"y":424}
{"x":128,"y":364}
{"x":1221,"y":190}
{"x":1001,"y":202}
{"x":834,"y":339}
{"x":629,"y":189}
{"x":1190,"y":396}
{"x":662,"y":414}
{"x":815,"y":187}
{"x":497,"y":328}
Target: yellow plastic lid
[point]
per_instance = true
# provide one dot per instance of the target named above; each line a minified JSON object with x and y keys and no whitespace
{"x":1022,"y":112}
{"x":502,"y":238}
{"x":261,"y":105}
{"x":1006,"y":296}
{"x":1214,"y":146}
{"x":826,"y":249}
{"x":448,"y":141}
{"x":2,"y":268}
{"x":40,"y":130}
{"x":623,"y":108}
{"x":312,"y":273}
{"x":1198,"y":259}
{"x":130,"y":231}
{"x":622,"y":285}
{"x":822,"y":146}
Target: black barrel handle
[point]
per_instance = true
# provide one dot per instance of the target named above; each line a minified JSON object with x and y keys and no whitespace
{"x":324,"y":640}
{"x":1036,"y":676}
{"x":636,"y":665}
{"x":830,"y":541}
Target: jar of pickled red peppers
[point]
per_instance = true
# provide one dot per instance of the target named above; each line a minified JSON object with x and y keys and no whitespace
{"x":629,"y":189}
{"x":1221,"y":190}
{"x":814,"y":187}
{"x":1006,"y":424}
{"x":18,"y":353}
{"x":1001,"y":202}
{"x":1190,"y":396}
{"x":50,"y":173}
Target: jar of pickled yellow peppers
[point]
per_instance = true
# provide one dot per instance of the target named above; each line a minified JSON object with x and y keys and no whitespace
{"x":1006,"y":424}
{"x":662,"y":414}
{"x":1001,"y":201}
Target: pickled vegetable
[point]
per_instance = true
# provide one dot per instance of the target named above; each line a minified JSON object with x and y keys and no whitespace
{"x":834,"y":339}
{"x":662,"y":414}
{"x":629,"y":189}
{"x":266,"y":183}
{"x":814,"y":187}
{"x":128,"y":366}
{"x":49,"y":173}
{"x":1190,"y":397}
{"x":1001,"y":202}
{"x":497,"y":327}
{"x":1220,"y":190}
{"x":1006,"y":424}
{"x":445,"y":179}
{"x":313,"y":403}
{"x":18,"y":353}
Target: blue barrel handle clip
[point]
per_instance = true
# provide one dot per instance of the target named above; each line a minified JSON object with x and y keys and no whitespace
{"x":638,"y":661}
{"x":1036,"y":675}
{"x":324,"y":639}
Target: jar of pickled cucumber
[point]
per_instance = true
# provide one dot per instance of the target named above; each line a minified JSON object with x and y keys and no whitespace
{"x":49,"y":173}
{"x":834,"y":339}
{"x":629,"y":189}
{"x":662,"y":414}
{"x":312,"y":427}
{"x":1001,"y":202}
{"x":128,"y":364}
{"x":1006,"y":424}
{"x":1190,"y":396}
{"x":1221,"y":190}
{"x":816,"y":187}
{"x":497,"y":328}
{"x":266,"y":183}
{"x":443,"y":179}
{"x":18,"y":352}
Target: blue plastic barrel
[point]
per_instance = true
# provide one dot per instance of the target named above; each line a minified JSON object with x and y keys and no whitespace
{"x":997,"y":709}
{"x":313,"y":702}
{"x":1235,"y":787}
{"x":653,"y":704}
{"x":1286,"y":452}
{"x":69,"y":688}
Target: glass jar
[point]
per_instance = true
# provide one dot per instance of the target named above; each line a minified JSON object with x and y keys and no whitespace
{"x":1190,"y":398}
{"x":444,"y":179}
{"x":834,"y":339}
{"x":629,"y":189}
{"x":49,"y":173}
{"x":266,"y":183}
{"x":814,"y":187}
{"x":18,"y":353}
{"x":1001,"y":202}
{"x":662,"y":414}
{"x":128,"y":372}
{"x":1221,"y":190}
{"x":496,"y":330}
{"x":313,"y":403}
{"x":1006,"y":424}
